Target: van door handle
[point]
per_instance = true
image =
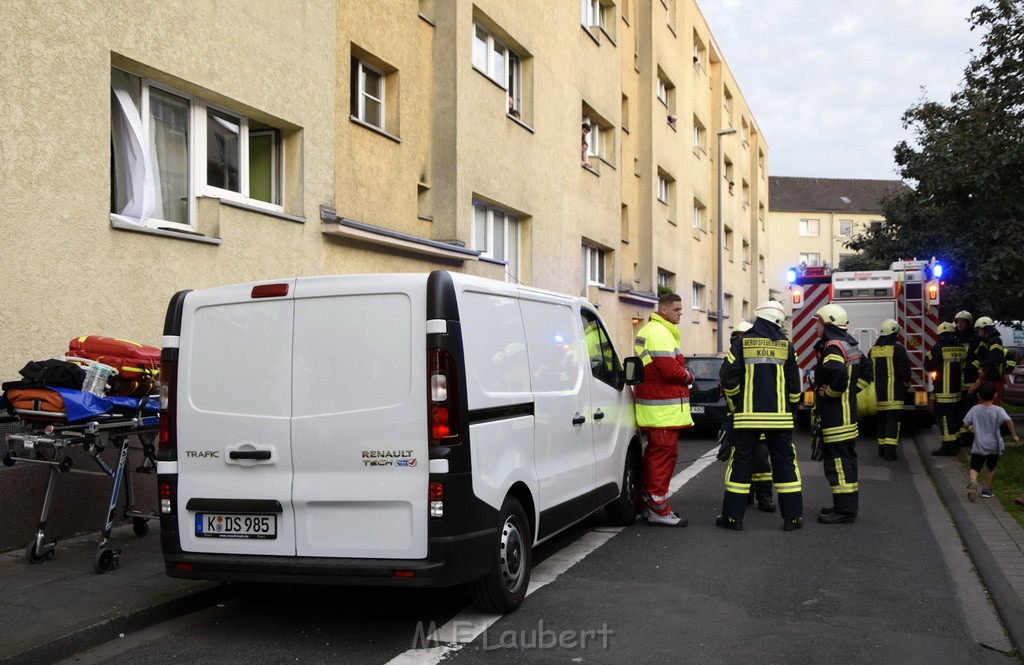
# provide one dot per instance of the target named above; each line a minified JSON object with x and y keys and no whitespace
{"x":249,"y":454}
{"x":578,"y":419}
{"x":598,"y":415}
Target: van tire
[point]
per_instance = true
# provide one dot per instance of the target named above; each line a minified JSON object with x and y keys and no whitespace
{"x":504,"y":587}
{"x":623,"y":510}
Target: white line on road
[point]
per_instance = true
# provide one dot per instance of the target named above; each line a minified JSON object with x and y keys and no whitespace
{"x":470,"y":623}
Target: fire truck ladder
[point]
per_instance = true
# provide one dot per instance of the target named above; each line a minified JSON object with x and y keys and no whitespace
{"x":910,"y":309}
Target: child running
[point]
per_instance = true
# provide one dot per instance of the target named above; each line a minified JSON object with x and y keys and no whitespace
{"x":985,"y":419}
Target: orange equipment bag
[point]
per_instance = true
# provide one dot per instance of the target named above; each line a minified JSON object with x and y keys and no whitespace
{"x":137,"y":365}
{"x":39,"y":400}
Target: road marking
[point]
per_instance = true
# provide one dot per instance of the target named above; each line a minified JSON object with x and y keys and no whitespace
{"x":470,"y":623}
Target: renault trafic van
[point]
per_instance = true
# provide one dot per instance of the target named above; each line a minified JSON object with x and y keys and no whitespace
{"x":394,"y":429}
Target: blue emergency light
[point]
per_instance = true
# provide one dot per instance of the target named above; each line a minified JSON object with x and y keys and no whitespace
{"x":791,"y":275}
{"x":937,"y":270}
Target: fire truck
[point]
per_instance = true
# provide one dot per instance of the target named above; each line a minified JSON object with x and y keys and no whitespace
{"x":907,"y":292}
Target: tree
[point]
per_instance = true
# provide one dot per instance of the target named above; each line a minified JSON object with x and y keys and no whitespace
{"x":966,"y":169}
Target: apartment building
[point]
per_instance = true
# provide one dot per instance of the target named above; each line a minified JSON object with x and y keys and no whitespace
{"x":812,"y":219}
{"x":156,"y":146}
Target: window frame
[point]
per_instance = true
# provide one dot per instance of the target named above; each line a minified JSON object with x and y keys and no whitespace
{"x":849,"y":231}
{"x":804,"y":228}
{"x":663,"y":189}
{"x":697,"y":297}
{"x":806,"y":258}
{"x":599,"y":365}
{"x":595,"y":265}
{"x":511,"y":238}
{"x":361,"y":94}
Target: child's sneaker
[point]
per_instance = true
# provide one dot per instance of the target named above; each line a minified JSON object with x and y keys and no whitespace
{"x":972,"y":490}
{"x":986,"y":493}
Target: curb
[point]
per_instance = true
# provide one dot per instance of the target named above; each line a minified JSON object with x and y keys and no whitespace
{"x":1008,"y":605}
{"x":111,"y":628}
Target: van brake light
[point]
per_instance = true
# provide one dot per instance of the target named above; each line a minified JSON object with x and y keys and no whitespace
{"x":269,"y":290}
{"x":442,"y":402}
{"x":168,"y":441}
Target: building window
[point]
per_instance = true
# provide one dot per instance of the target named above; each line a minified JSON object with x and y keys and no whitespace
{"x":727,"y":107}
{"x":727,"y":240}
{"x":745,"y":193}
{"x":665,"y":280}
{"x":594,"y":265}
{"x":700,"y":214}
{"x":666,"y":91}
{"x":726,"y":306}
{"x":598,"y":139}
{"x":809,"y":227}
{"x":746,"y":254}
{"x":760,"y":266}
{"x":700,"y":54}
{"x":368,"y":86}
{"x":496,"y":236}
{"x":169,"y":147}
{"x":697,"y":300}
{"x":760,"y":215}
{"x":598,"y":15}
{"x":744,"y":131}
{"x":500,"y":64}
{"x":810,"y":258}
{"x":700,"y":136}
{"x":663,"y":189}
{"x":846,"y":227}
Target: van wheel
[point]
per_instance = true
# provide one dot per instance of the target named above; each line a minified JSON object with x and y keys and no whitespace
{"x":623,"y":510}
{"x":504,"y":587}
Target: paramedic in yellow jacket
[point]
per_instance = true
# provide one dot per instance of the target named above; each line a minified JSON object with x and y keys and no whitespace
{"x":842,"y":371}
{"x":761,"y":377}
{"x":662,"y":405}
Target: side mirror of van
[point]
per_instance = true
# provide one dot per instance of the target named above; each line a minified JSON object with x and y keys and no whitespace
{"x":634,"y":368}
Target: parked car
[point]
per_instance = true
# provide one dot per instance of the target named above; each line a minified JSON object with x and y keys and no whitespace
{"x":707,"y":402}
{"x":1013,"y":387}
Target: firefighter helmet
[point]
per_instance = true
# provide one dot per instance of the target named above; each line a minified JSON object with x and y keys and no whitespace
{"x":771,"y":311}
{"x":889,"y":326}
{"x":834,"y":315}
{"x":946,"y":327}
{"x":984,"y":322}
{"x":741,"y":327}
{"x":964,"y":314}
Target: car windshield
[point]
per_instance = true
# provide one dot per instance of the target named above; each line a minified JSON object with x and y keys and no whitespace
{"x":704,"y":368}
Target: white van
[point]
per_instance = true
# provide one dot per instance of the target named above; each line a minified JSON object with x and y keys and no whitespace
{"x":397,"y":429}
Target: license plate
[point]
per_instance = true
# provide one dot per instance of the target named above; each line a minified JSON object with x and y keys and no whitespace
{"x":220,"y":525}
{"x":697,"y":409}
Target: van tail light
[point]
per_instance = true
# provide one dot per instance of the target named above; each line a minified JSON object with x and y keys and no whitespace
{"x":442,"y":399}
{"x":165,"y":492}
{"x":436,"y":498}
{"x":168,"y":443}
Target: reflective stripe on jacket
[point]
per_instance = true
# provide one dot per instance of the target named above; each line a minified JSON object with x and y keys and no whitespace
{"x":948,"y":360}
{"x":892,"y":372}
{"x":843,"y":371}
{"x":663,"y":398}
{"x":761,"y":378}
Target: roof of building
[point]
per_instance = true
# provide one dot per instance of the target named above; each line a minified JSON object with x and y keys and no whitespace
{"x":830,"y":194}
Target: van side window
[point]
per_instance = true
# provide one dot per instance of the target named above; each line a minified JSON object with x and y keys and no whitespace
{"x":604,"y":364}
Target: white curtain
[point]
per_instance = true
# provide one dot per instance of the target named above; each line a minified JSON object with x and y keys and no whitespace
{"x":135,"y":191}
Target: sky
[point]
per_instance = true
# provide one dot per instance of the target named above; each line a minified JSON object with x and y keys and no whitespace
{"x":828,"y":81}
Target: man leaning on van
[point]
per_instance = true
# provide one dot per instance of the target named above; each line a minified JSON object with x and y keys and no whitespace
{"x":662,"y":405}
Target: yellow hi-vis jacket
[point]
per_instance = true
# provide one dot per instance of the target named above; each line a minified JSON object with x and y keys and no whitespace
{"x":663,"y":398}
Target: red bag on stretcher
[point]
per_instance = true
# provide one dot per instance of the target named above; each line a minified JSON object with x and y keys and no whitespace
{"x":137,"y":365}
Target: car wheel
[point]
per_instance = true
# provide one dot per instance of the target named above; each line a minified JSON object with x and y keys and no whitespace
{"x":623,"y":510}
{"x":504,"y":587}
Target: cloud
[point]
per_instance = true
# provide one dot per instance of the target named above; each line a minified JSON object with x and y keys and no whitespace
{"x":828,"y":82}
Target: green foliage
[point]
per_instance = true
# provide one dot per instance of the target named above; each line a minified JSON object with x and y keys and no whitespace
{"x":967,"y":165}
{"x":662,"y":290}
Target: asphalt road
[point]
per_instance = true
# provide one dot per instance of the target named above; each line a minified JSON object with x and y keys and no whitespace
{"x":895,"y":587}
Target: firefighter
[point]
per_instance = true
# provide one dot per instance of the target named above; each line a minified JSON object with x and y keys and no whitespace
{"x":974,"y":345}
{"x":761,"y":377}
{"x":948,"y":359}
{"x":761,"y":478}
{"x":662,"y":405}
{"x":993,"y":363}
{"x":842,"y":372}
{"x":892,"y":378}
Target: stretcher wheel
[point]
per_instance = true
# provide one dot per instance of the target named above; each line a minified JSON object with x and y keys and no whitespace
{"x":105,"y":560}
{"x":34,"y":557}
{"x":140,"y":525}
{"x":9,"y":460}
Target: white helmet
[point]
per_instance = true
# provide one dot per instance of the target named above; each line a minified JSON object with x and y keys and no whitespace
{"x":946,"y":327}
{"x":743,"y":326}
{"x":984,"y":322}
{"x":889,"y":326}
{"x":833,"y":314}
{"x":964,"y":314}
{"x":771,"y":311}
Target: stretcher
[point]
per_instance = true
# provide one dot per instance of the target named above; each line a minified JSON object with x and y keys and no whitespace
{"x":105,"y":429}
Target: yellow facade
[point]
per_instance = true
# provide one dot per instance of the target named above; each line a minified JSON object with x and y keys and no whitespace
{"x":398,"y":136}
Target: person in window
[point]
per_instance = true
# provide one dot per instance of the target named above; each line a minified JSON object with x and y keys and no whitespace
{"x":586,"y":133}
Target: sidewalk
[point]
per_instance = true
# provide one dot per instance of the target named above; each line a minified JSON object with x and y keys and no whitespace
{"x":994,"y":540}
{"x":60,"y":607}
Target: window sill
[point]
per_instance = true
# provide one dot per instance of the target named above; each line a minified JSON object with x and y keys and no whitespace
{"x":429,"y":21}
{"x":374,"y":129}
{"x":611,"y":40}
{"x":394,"y":240}
{"x":590,"y":33}
{"x":520,"y":122}
{"x":625,"y":129}
{"x":672,"y":223}
{"x":262,"y":211}
{"x":124,"y":224}
{"x":591,"y":168}
{"x":607,"y":163}
{"x":699,"y":150}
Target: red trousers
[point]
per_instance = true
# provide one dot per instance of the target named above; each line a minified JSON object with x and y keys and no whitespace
{"x":659,"y":463}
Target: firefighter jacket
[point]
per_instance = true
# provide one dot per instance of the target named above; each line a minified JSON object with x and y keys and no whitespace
{"x":994,"y":360}
{"x":842,"y":372}
{"x":761,"y":378}
{"x":892,"y":372}
{"x":948,"y":359}
{"x":663,"y":397}
{"x":974,"y":345}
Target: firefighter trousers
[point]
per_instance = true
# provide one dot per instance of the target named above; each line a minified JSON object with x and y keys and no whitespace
{"x":840,"y":463}
{"x":949,"y":417}
{"x":660,"y":457}
{"x":889,"y":422}
{"x":761,"y":477}
{"x":785,"y":472}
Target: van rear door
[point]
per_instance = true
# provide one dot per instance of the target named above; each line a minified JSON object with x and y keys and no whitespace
{"x":233,"y":419}
{"x":359,"y":417}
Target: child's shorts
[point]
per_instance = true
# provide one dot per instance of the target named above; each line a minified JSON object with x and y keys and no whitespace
{"x":977,"y":461}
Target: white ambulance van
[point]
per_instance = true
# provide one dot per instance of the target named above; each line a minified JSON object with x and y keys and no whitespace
{"x":393,"y":429}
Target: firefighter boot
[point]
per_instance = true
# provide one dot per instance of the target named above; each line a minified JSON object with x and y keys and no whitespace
{"x":835,"y":517}
{"x":792,"y":523}
{"x":729,"y":523}
{"x":766,"y":504}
